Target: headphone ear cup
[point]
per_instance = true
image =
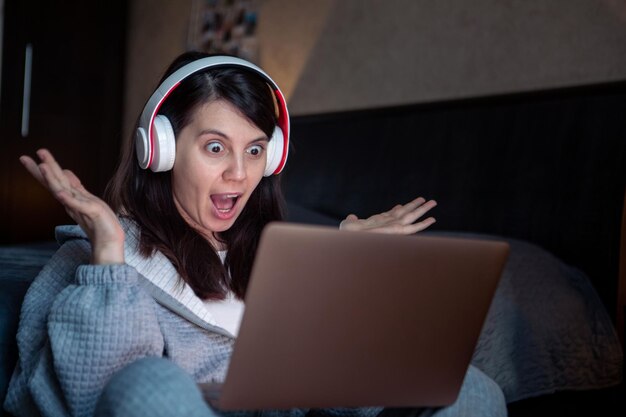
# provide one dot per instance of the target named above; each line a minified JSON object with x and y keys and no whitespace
{"x":142,"y":147}
{"x":164,"y":144}
{"x":274,"y":151}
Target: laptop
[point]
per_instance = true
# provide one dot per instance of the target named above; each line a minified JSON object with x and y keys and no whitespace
{"x":354,"y":319}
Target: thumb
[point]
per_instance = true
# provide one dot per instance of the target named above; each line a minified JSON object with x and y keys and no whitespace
{"x":351,"y":217}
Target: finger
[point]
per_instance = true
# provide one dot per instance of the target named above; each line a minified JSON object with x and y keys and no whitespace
{"x":53,"y":168}
{"x":420,"y":226}
{"x":42,"y":174}
{"x":32,"y":167}
{"x":62,"y":179}
{"x":52,"y":181}
{"x":408,"y":229}
{"x":345,"y":223}
{"x":401,"y":210}
{"x":74,"y":180}
{"x":418,"y":212}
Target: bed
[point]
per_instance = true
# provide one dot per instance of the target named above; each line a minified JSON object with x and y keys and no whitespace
{"x":545,"y":171}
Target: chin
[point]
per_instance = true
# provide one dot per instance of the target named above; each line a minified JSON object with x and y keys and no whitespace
{"x":219,"y":226}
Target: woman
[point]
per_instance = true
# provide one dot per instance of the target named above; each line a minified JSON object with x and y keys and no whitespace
{"x":92,"y":338}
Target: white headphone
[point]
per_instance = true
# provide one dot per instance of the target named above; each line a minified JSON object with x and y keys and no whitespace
{"x":155,"y":144}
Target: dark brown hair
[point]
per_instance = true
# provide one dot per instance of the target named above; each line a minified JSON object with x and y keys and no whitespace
{"x":146,"y":197}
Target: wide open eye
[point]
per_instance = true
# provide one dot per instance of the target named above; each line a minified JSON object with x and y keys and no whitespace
{"x":256,"y":150}
{"x":215,"y":147}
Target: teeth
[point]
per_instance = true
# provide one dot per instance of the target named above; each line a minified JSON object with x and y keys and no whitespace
{"x":226,"y":201}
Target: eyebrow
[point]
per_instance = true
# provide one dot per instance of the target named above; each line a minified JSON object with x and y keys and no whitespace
{"x":225,"y":136}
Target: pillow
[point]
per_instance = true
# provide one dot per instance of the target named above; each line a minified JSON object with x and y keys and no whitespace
{"x":547,"y":329}
{"x":18,"y":267}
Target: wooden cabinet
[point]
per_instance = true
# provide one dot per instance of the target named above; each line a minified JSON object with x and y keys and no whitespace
{"x":71,"y":55}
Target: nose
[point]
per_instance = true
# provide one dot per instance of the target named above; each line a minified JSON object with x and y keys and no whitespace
{"x":236,"y":169}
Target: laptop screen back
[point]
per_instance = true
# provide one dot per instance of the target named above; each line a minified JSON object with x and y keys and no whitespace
{"x":353,"y":319}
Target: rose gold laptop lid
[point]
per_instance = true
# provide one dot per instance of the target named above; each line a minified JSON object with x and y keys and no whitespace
{"x":354,"y":319}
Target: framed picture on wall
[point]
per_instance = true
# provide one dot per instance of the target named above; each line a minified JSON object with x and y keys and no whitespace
{"x":225,"y":26}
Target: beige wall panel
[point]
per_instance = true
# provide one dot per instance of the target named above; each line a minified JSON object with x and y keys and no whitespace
{"x":288,"y":31}
{"x":157,"y":32}
{"x":335,"y":55}
{"x":378,"y":53}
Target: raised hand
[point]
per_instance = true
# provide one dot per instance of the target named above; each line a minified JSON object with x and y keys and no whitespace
{"x":93,"y":215}
{"x":402,"y":219}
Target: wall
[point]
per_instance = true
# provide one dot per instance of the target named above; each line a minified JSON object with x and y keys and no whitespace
{"x":157,"y":32}
{"x":379,"y":54}
{"x":334,"y":55}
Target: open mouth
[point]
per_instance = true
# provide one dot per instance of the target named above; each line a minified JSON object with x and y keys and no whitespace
{"x":224,"y":203}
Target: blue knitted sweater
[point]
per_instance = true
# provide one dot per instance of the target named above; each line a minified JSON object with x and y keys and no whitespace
{"x":82,"y":323}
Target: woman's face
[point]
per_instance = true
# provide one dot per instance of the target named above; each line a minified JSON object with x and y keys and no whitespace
{"x":220,"y":159}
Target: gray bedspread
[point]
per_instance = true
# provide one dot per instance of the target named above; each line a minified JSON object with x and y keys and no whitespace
{"x":547,"y":330}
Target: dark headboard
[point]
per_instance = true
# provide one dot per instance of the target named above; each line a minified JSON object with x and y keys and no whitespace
{"x":548,"y":167}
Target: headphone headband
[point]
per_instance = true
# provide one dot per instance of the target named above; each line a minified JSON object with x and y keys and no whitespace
{"x":151,"y":110}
